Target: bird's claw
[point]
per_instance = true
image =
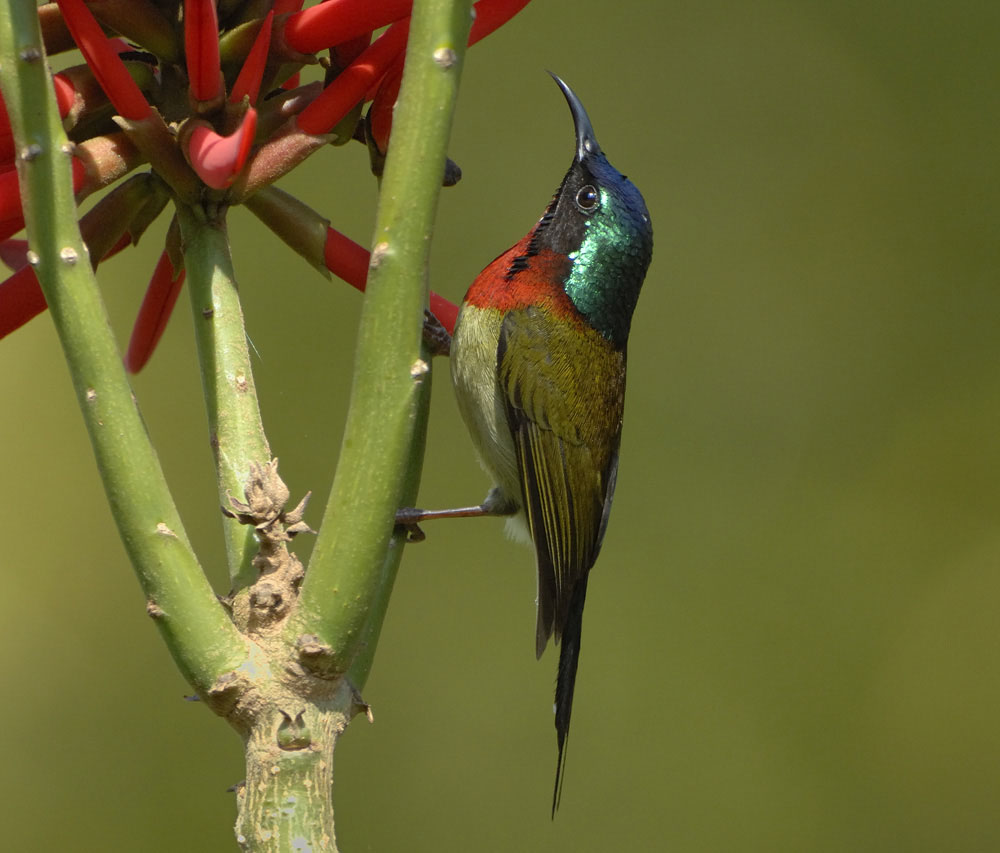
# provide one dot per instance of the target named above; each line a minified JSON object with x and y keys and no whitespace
{"x":436,"y":337}
{"x":406,"y":519}
{"x":413,"y":533}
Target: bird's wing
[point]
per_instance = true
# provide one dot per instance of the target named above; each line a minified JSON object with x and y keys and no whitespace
{"x":564,"y":387}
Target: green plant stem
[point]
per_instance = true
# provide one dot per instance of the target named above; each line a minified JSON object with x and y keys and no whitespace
{"x":351,"y":572}
{"x":198,"y":632}
{"x":361,"y":663}
{"x":236,"y":433}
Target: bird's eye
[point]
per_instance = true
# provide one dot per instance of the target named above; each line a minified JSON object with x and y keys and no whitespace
{"x":586,"y":198}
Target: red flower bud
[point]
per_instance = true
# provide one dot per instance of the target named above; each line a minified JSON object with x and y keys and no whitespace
{"x":219,"y":159}
{"x":349,"y":87}
{"x":201,"y":49}
{"x":11,"y":214}
{"x":349,"y":261}
{"x":21,"y":298}
{"x":157,"y":305}
{"x":102,"y":57}
{"x":380,"y":114}
{"x":491,"y":15}
{"x":248,"y":82}
{"x":338,"y":21}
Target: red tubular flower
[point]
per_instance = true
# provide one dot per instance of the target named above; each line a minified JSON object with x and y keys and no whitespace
{"x":346,"y":259}
{"x":103,"y":58}
{"x":14,"y":253}
{"x":337,"y":21}
{"x":11,"y":215}
{"x":219,"y":159}
{"x":360,"y":71}
{"x":157,"y":305}
{"x":345,"y":53}
{"x":380,"y":114}
{"x":142,"y":22}
{"x":491,"y":15}
{"x":6,"y":152}
{"x":248,"y":82}
{"x":350,"y":86}
{"x":349,"y":261}
{"x":65,"y":95}
{"x":445,"y":310}
{"x":21,"y":294}
{"x":201,"y":50}
{"x":21,"y":297}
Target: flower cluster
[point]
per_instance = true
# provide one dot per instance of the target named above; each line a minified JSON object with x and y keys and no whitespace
{"x":201,"y":100}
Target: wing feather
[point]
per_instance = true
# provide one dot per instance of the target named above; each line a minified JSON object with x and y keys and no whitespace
{"x":563,"y":385}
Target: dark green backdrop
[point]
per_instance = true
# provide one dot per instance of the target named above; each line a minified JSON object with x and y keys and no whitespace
{"x":791,"y":640}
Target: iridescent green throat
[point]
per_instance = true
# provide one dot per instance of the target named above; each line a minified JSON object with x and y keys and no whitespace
{"x":610,"y":265}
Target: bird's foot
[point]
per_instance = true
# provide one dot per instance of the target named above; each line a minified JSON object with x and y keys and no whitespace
{"x":406,"y":519}
{"x":436,"y":336}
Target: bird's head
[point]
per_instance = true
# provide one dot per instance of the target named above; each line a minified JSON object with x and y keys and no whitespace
{"x":598,"y":219}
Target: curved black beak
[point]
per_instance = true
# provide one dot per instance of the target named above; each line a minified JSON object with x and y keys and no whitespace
{"x":586,"y":142}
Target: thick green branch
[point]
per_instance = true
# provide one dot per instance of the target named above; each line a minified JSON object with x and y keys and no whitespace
{"x":237,"y":435}
{"x":200,"y":635}
{"x":353,"y":568}
{"x":361,"y":664}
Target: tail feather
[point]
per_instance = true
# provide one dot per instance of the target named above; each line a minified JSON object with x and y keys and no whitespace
{"x":569,"y":658}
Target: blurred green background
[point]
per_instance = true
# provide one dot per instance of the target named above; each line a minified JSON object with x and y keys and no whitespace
{"x":791,"y":639}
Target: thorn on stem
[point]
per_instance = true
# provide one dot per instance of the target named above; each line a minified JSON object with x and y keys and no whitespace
{"x":419,"y":369}
{"x":359,"y":706}
{"x":445,"y":57}
{"x":379,"y":254}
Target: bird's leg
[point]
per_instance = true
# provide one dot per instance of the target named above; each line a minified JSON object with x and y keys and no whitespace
{"x":409,"y":517}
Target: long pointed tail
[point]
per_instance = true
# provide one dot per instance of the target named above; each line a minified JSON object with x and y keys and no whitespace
{"x":569,"y":658}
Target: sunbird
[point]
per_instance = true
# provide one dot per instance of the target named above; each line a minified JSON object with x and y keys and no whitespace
{"x":538,"y":365}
